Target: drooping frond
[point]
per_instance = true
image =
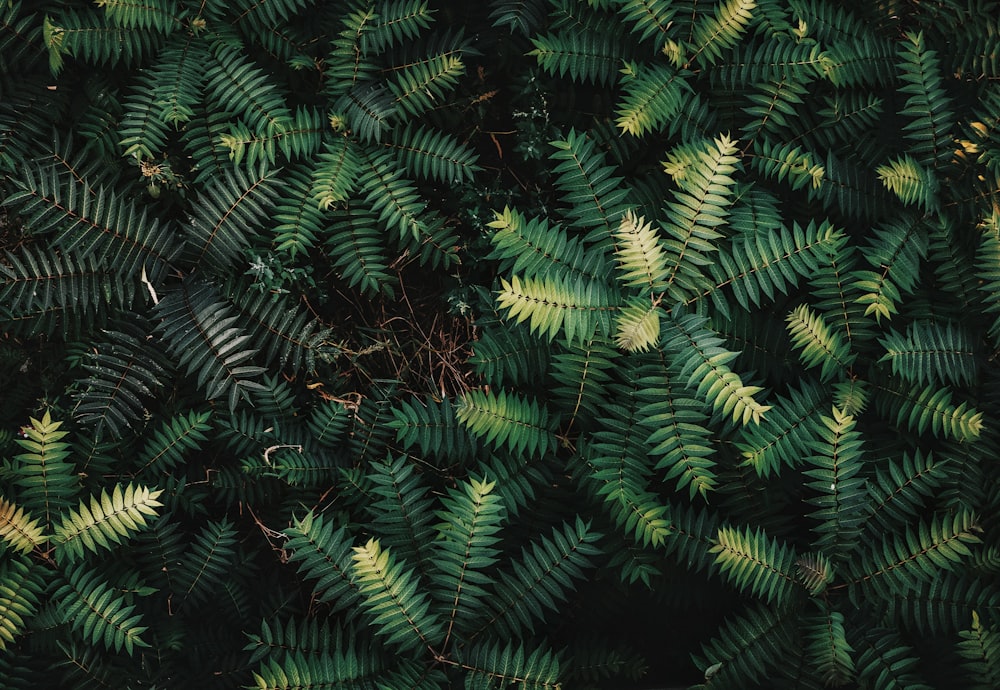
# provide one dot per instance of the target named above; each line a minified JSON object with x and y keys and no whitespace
{"x":433,"y":427}
{"x":637,"y":327}
{"x":201,"y":333}
{"x":980,"y":653}
{"x":703,"y":365}
{"x":234,"y":84}
{"x":651,"y":19}
{"x":424,"y":85}
{"x":173,"y":440}
{"x":532,"y":247}
{"x":392,"y":597}
{"x":747,"y":646}
{"x":357,"y":243}
{"x":105,"y":521}
{"x":827,"y":646}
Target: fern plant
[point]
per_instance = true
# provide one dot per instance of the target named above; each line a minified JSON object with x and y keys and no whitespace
{"x":404,"y":343}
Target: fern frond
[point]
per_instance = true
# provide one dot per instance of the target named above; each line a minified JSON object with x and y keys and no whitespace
{"x":651,"y":96}
{"x":175,"y":437}
{"x":753,"y":562}
{"x":89,"y":36}
{"x":541,"y":578}
{"x":769,"y":262}
{"x":815,"y":572}
{"x":507,"y":420}
{"x":931,"y":408}
{"x":20,"y":591}
{"x":903,"y":561}
{"x":899,"y":490}
{"x":637,"y":327}
{"x":142,"y":133}
{"x":178,"y":77}
{"x":818,"y":344}
{"x":932,"y":353}
{"x":225,"y":216}
{"x":466,"y":546}
{"x":591,"y":190}
{"x":532,"y":247}
{"x":885,"y":660}
{"x":928,"y":105}
{"x":396,"y":201}
{"x":703,"y":175}
{"x":577,"y":308}
{"x":895,"y":253}
{"x":368,"y":110}
{"x":357,"y":243}
{"x":910,"y":181}
{"x":433,"y":426}
{"x":495,"y":664}
{"x":323,"y":553}
{"x":586,"y":55}
{"x":942,"y":605}
{"x":703,"y":365}
{"x":234,"y":84}
{"x":392,"y":597}
{"x":980,"y":652}
{"x":785,"y":435}
{"x":651,"y":19}
{"x":827,"y":647}
{"x":45,"y":481}
{"x":95,"y":610}
{"x":640,"y":257}
{"x":207,"y":563}
{"x":19,"y":531}
{"x":713,"y":35}
{"x":299,"y":136}
{"x":434,"y":155}
{"x":786,"y":161}
{"x":105,"y":521}
{"x":509,"y":356}
{"x":328,"y":423}
{"x":201,"y":334}
{"x":401,"y":510}
{"x":840,"y":494}
{"x":125,"y":372}
{"x":424,"y":85}
{"x":747,"y":647}
{"x":397,"y":22}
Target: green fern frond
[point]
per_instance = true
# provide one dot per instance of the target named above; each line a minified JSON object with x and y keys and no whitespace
{"x":651,"y":19}
{"x":577,"y":308}
{"x":768,"y":263}
{"x":585,"y":55}
{"x":234,"y":84}
{"x":124,"y":374}
{"x":886,"y":660}
{"x":498,"y":665}
{"x":703,"y":175}
{"x":899,"y":491}
{"x":225,"y":216}
{"x":784,"y":436}
{"x":89,"y":36}
{"x":593,"y":194}
{"x":357,"y":243}
{"x":713,"y":35}
{"x":434,"y":155}
{"x":45,"y":481}
{"x":392,"y":597}
{"x":532,"y":247}
{"x":98,"y":612}
{"x":753,"y":562}
{"x":299,"y":136}
{"x":298,"y":219}
{"x":20,"y":591}
{"x":328,"y":423}
{"x":335,"y":176}
{"x":980,"y":652}
{"x":815,"y":572}
{"x":640,"y":257}
{"x":931,"y":408}
{"x":931,"y":353}
{"x":703,"y":365}
{"x":142,"y":133}
{"x":651,"y":96}
{"x":819,"y":344}
{"x":201,"y":334}
{"x":903,"y":561}
{"x":175,"y":437}
{"x":928,"y":105}
{"x":177,"y":77}
{"x":206,"y":564}
{"x":541,"y":578}
{"x":507,"y":420}
{"x":466,"y":546}
{"x":508,"y":356}
{"x":637,"y":327}
{"x":19,"y":531}
{"x":840,"y":495}
{"x":105,"y":521}
{"x":786,"y":161}
{"x":397,"y":22}
{"x":433,"y":426}
{"x":910,"y":181}
{"x":827,"y":647}
{"x":141,"y":14}
{"x":401,"y":510}
{"x":773,"y":105}
{"x":368,"y":110}
{"x":394,"y":198}
{"x":582,"y":373}
{"x":747,"y":647}
{"x":323,"y":553}
{"x":895,"y":253}
{"x":425,"y":85}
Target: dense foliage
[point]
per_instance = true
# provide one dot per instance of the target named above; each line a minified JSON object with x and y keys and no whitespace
{"x":549,"y":343}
